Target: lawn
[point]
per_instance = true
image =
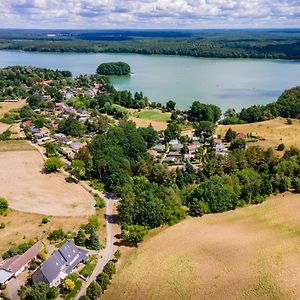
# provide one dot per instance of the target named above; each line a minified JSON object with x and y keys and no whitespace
{"x":7,"y":106}
{"x":146,"y":117}
{"x":249,"y":253}
{"x":154,"y":115}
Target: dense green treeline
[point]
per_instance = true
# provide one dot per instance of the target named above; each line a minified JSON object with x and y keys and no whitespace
{"x":287,"y":106}
{"x":281,"y":45}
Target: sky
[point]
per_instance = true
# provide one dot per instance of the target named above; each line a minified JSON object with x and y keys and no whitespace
{"x":149,"y":14}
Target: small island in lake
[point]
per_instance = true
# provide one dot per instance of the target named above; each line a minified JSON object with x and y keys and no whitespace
{"x":114,"y":68}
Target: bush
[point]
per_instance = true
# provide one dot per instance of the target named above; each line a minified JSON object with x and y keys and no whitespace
{"x":45,"y":220}
{"x":103,"y":280}
{"x":52,"y":164}
{"x":57,"y":235}
{"x":289,"y":121}
{"x":134,"y":233}
{"x":100,"y":203}
{"x":281,"y":147}
{"x":117,"y":255}
{"x":2,"y":225}
{"x":94,"y":290}
{"x":3,"y":205}
{"x":110,"y":269}
{"x":97,"y":185}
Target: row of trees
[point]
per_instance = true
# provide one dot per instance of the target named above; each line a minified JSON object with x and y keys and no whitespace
{"x":287,"y":106}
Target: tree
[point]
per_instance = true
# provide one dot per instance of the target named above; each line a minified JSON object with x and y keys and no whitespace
{"x":204,"y":112}
{"x":170,"y":105}
{"x":134,"y":233}
{"x":110,"y":269}
{"x":52,"y":164}
{"x":230,"y":113}
{"x":117,"y":254}
{"x":281,"y":147}
{"x":41,"y":291}
{"x":172,"y":131}
{"x":3,"y":205}
{"x":93,"y":241}
{"x":69,"y":284}
{"x":80,"y":238}
{"x":51,"y":149}
{"x":103,"y":280}
{"x":230,"y":135}
{"x":238,"y":143}
{"x":94,"y":290}
{"x":71,"y":126}
{"x":78,"y":168}
{"x":197,"y":208}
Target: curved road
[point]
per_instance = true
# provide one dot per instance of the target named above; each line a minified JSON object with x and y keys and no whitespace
{"x":108,"y":252}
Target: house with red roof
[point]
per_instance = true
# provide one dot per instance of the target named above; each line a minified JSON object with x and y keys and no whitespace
{"x":14,"y":266}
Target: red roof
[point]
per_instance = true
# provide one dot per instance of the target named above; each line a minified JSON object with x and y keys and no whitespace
{"x":27,"y":123}
{"x":16,"y":263}
{"x":241,"y":135}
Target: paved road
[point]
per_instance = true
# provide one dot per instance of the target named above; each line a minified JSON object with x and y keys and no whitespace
{"x":108,"y":252}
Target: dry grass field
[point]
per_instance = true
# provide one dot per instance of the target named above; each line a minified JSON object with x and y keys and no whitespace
{"x":23,"y":183}
{"x":7,"y":106}
{"x":21,"y":227}
{"x":274,"y":131}
{"x":249,"y":253}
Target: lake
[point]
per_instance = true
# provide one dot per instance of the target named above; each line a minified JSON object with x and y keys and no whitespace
{"x":225,"y":82}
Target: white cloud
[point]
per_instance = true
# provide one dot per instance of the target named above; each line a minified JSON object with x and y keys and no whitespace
{"x":149,"y":13}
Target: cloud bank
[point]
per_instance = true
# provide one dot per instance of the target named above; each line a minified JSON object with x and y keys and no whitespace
{"x":149,"y":13}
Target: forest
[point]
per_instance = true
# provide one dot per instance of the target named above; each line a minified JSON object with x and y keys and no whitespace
{"x":272,"y":44}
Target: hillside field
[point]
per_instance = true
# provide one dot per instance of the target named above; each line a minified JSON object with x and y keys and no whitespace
{"x":249,"y":253}
{"x":274,"y":132}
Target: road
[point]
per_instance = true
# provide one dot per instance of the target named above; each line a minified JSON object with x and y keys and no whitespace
{"x":108,"y":252}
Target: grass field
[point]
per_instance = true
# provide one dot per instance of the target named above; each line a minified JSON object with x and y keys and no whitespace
{"x":15,"y":145}
{"x":249,"y":253}
{"x":7,"y":106}
{"x":146,"y":117}
{"x":28,"y":189}
{"x":274,"y":131}
{"x":21,"y":226}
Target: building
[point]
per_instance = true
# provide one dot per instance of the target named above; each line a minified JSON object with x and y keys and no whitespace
{"x":60,"y":264}
{"x":14,"y":266}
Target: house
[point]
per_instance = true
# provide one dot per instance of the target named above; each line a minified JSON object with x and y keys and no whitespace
{"x":220,"y":149}
{"x":76,"y":146}
{"x":192,"y":149}
{"x":159,"y":148}
{"x":14,"y":266}
{"x":241,"y":135}
{"x":169,"y":160}
{"x":27,"y":123}
{"x":176,"y":147}
{"x":153,"y":153}
{"x":174,"y":153}
{"x":189,"y":156}
{"x":60,"y":264}
{"x":60,"y":137}
{"x":217,"y":142}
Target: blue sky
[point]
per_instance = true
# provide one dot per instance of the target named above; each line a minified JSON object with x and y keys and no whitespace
{"x":101,"y":14}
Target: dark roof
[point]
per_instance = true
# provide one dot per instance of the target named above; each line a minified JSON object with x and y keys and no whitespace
{"x":65,"y":259}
